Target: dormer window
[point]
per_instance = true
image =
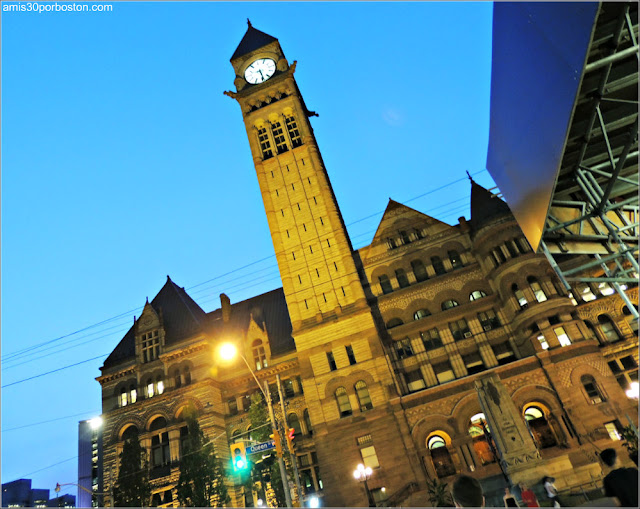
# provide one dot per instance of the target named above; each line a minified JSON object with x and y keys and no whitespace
{"x":150,"y":346}
{"x":259,"y":355}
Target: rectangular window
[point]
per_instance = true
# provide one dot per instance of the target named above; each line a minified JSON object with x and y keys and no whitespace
{"x":414,"y":380}
{"x":364,"y":440}
{"x":473,"y":362}
{"x":431,"y":339}
{"x":265,"y":144}
{"x":614,"y":428}
{"x":303,"y":460}
{"x":488,"y":320}
{"x":150,"y":346}
{"x":459,"y":329}
{"x":562,"y":336}
{"x":332,"y":361}
{"x":350,"y":355}
{"x":278,"y":137}
{"x":403,"y":348}
{"x":543,"y":342}
{"x":503,"y":352}
{"x":369,"y":457}
{"x":233,"y":406}
{"x":288,"y":388}
{"x":628,"y":362}
{"x":444,"y":372}
{"x":294,"y":133}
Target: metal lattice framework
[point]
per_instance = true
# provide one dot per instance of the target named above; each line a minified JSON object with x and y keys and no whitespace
{"x":594,"y":207}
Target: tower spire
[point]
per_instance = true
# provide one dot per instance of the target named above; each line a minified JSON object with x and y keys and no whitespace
{"x":249,"y":23}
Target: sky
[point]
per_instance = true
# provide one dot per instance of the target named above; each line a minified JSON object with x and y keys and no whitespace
{"x":123,"y":162}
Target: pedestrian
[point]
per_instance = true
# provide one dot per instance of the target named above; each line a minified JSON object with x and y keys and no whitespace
{"x":620,"y":482}
{"x":528,"y":496}
{"x":467,"y":492}
{"x":509,"y":499}
{"x":550,"y":488}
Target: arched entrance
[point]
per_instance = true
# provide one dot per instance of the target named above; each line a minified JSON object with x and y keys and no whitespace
{"x":440,"y":457}
{"x":535,"y":417}
{"x":480,"y":434}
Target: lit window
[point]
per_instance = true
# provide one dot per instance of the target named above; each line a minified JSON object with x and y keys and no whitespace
{"x":522,"y":300}
{"x":613,"y":428}
{"x":259,"y":354}
{"x":454,"y":258}
{"x":562,"y":336}
{"x":584,"y":292}
{"x":533,"y":412}
{"x":414,"y":380}
{"x":543,"y":342}
{"x":460,"y":329}
{"x":133,"y":393}
{"x":448,"y":304}
{"x":150,"y":391}
{"x":294,"y":133}
{"x":364,"y":400}
{"x":421,"y":313}
{"x":477,"y":294}
{"x":591,"y":389}
{"x":123,"y":397}
{"x":444,"y":372}
{"x":537,"y":289}
{"x":605,"y":289}
{"x":344,"y":406}
{"x":369,"y":457}
{"x":436,"y":441}
{"x":403,"y":348}
{"x":160,"y":385}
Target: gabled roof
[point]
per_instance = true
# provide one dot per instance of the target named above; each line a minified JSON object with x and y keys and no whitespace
{"x":485,"y":206}
{"x":396,"y":213}
{"x":252,"y":40}
{"x":181,"y":317}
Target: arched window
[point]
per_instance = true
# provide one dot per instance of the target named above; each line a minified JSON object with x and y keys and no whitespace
{"x":421,"y":313}
{"x":605,"y":289}
{"x":522,"y":300}
{"x":177,"y":379}
{"x":130,"y":433}
{"x":440,"y":456}
{"x":608,"y":329}
{"x":150,"y":388}
{"x":160,"y":384}
{"x":448,"y":304}
{"x":123,"y":397}
{"x":584,"y":292}
{"x":591,"y":389}
{"x":364,"y":400}
{"x":259,"y":355}
{"x":539,"y":427}
{"x":419,"y":270}
{"x":307,"y":421}
{"x":401,"y":276}
{"x":342,"y":398}
{"x":160,"y":455}
{"x":294,"y":422}
{"x":454,"y":258}
{"x":538,"y":292}
{"x":477,"y":294}
{"x":385,"y":284}
{"x":438,"y":266}
{"x":133,"y":393}
{"x":187,"y":375}
{"x":481,"y":436}
{"x":394,"y":322}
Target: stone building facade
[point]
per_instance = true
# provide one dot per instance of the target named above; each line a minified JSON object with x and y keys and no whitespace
{"x":433,"y":351}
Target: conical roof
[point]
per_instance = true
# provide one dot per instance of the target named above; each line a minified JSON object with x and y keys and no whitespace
{"x":485,"y":206}
{"x":252,"y":40}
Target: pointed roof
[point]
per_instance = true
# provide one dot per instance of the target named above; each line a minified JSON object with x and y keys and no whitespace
{"x":252,"y":40}
{"x":181,"y":318}
{"x":396,"y":210}
{"x":485,"y":206}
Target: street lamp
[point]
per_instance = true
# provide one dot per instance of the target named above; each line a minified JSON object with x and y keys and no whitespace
{"x":227,"y":352}
{"x":632,"y":392}
{"x":363,"y":474}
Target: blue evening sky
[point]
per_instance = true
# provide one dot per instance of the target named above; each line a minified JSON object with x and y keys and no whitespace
{"x":122,"y":162}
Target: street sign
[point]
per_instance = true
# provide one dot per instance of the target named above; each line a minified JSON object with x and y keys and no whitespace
{"x":264,"y":446}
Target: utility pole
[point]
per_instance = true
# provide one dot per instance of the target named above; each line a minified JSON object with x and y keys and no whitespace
{"x":294,"y":461}
{"x":283,"y":470}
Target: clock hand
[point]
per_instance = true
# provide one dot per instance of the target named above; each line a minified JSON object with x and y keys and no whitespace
{"x":262,"y":75}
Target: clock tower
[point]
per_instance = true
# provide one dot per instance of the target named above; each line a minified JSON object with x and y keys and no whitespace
{"x":346,"y":374}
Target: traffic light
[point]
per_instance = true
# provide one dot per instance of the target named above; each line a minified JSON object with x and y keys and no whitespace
{"x":239,"y":457}
{"x":290,"y":437}
{"x":275,"y":436}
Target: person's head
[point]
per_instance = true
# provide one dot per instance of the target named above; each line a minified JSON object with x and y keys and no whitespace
{"x":523,"y":487}
{"x":467,"y":492}
{"x":548,"y":479}
{"x":609,"y":457}
{"x":506,"y":491}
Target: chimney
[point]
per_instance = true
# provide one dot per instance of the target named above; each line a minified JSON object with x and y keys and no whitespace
{"x":225,"y":304}
{"x":464,"y":226}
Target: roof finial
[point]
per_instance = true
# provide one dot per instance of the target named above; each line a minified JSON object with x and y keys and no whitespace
{"x":249,"y":23}
{"x":470,"y":177}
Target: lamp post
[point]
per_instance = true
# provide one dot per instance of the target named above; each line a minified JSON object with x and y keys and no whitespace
{"x":363,"y":474}
{"x":228,"y":351}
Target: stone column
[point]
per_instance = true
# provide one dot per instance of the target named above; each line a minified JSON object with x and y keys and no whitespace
{"x":515,"y":446}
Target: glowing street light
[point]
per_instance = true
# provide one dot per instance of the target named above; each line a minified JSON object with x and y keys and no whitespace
{"x":363,"y":474}
{"x":95,"y":423}
{"x":632,"y":393}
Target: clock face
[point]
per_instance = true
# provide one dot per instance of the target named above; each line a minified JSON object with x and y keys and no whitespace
{"x":260,"y":71}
